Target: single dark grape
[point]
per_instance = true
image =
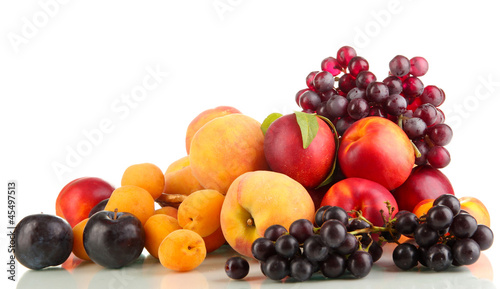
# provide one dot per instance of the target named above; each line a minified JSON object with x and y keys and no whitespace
{"x":323,"y":81}
{"x":237,"y":267}
{"x":463,"y":226}
{"x":355,"y":93}
{"x":345,"y":54}
{"x":356,"y":224}
{"x":483,"y":237}
{"x":360,"y":264}
{"x":331,"y":65}
{"x":318,"y":216}
{"x":357,"y":64}
{"x":337,"y":106}
{"x":336,"y":213}
{"x":263,"y":248}
{"x":439,"y":217}
{"x":439,"y":257}
{"x":301,"y":229}
{"x":405,"y":256}
{"x":406,"y":223}
{"x":276,"y":267}
{"x":343,"y":123}
{"x":433,"y":95}
{"x":399,"y":66}
{"x":423,"y":148}
{"x":298,"y":94}
{"x":325,"y":96}
{"x":349,"y":245}
{"x":440,"y":134}
{"x":422,"y":255}
{"x":425,"y":236}
{"x":438,"y":157}
{"x":309,"y":100}
{"x":347,"y":82}
{"x":314,"y":249}
{"x":449,"y":201}
{"x":377,"y":92}
{"x":287,"y":246}
{"x":441,"y":117}
{"x":358,"y":108}
{"x":333,"y":233}
{"x":428,"y":113}
{"x":466,"y":251}
{"x":301,"y":269}
{"x":334,"y":266}
{"x":391,"y":236}
{"x":395,"y":104}
{"x":418,"y":66}
{"x":394,"y":84}
{"x":310,"y":78}
{"x":273,"y":232}
{"x":375,"y":251}
{"x":412,"y":87}
{"x":414,"y":127}
{"x":364,"y":78}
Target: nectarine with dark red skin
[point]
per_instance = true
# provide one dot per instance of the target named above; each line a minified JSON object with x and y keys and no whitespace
{"x":425,"y":182}
{"x":284,"y":151}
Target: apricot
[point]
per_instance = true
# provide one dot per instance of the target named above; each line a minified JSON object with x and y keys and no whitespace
{"x":182,"y":250}
{"x":179,"y":182}
{"x":225,"y":148}
{"x":476,"y":208}
{"x":423,"y":207}
{"x":200,"y":212}
{"x":205,"y":117}
{"x":147,"y":176}
{"x":134,"y":200}
{"x":158,"y":227}
{"x":78,"y":248}
{"x":214,"y":241}
{"x":168,"y":210}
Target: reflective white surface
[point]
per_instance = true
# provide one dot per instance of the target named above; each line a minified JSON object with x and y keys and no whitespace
{"x":147,"y":272}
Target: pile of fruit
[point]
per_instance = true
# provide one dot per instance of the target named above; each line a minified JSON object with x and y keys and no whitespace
{"x":320,"y":190}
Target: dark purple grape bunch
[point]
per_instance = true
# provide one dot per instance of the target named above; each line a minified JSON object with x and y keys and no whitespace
{"x":445,"y":236}
{"x":305,"y":248}
{"x":345,"y":90}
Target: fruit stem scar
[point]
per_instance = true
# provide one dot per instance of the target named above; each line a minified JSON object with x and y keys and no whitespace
{"x":250,"y":222}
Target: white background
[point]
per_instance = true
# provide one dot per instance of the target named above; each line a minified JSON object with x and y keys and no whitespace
{"x":66,"y":67}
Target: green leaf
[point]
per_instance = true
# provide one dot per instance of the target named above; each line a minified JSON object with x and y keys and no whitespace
{"x":269,"y":119}
{"x":309,"y":127}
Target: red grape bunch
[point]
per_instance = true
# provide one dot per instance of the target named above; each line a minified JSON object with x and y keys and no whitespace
{"x":345,"y":90}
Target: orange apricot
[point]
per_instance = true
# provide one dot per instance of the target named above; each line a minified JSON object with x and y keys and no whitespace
{"x":158,"y":227}
{"x":179,"y":178}
{"x":200,"y":212}
{"x":476,"y":208}
{"x":168,"y":210}
{"x":147,"y":176}
{"x":182,"y":250}
{"x":422,"y":207}
{"x":134,"y":200}
{"x":78,"y":248}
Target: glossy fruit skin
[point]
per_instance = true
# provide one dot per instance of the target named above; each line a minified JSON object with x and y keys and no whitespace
{"x":79,"y":196}
{"x":99,"y":207}
{"x":423,"y":183}
{"x":284,"y":152}
{"x":376,"y":149}
{"x":42,"y":240}
{"x":113,"y":241}
{"x":237,"y":267}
